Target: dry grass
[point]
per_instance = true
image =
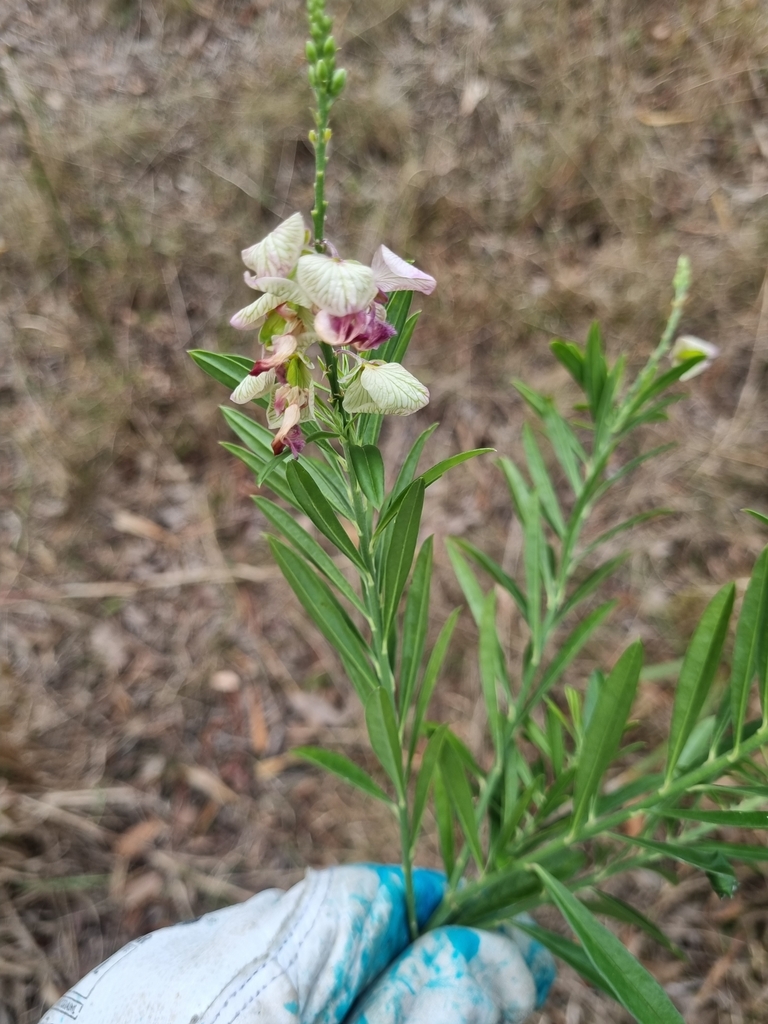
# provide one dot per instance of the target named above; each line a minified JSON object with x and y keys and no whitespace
{"x":547,"y":162}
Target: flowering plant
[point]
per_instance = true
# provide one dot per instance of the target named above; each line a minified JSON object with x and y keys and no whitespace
{"x":534,"y":822}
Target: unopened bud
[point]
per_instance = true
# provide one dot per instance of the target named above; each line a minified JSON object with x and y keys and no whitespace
{"x":321,"y":70}
{"x":329,"y":49}
{"x":327,"y":134}
{"x":313,"y":137}
{"x":312,"y":75}
{"x":311,"y":51}
{"x":338,"y":81}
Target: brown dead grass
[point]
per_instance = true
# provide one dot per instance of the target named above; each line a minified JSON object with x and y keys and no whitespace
{"x":547,"y":162}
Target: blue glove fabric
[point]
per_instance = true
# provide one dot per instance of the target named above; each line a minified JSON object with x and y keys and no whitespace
{"x":306,"y":955}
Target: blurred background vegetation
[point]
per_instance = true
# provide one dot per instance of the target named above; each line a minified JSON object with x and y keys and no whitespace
{"x":547,"y":161}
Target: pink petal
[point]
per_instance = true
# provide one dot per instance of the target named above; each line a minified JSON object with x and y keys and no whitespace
{"x":393,"y":274}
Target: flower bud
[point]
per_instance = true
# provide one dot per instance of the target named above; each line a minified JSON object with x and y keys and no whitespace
{"x":321,"y":70}
{"x":338,"y":81}
{"x":312,"y":75}
{"x":311,"y":51}
{"x":329,"y":50}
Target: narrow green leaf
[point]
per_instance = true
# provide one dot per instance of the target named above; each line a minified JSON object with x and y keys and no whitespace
{"x":460,"y":795}
{"x":633,"y":987}
{"x":556,"y":741}
{"x":568,"y":952}
{"x":732,"y":819}
{"x":327,"y":476}
{"x":699,"y":667}
{"x":328,"y":615}
{"x":590,"y":584}
{"x":369,"y":425}
{"x":308,"y":546}
{"x":415,"y":624}
{"x":403,"y":339}
{"x":402,"y":547}
{"x":595,"y":371}
{"x":736,"y":851}
{"x":410,"y":463}
{"x":488,"y":650}
{"x":542,"y":482}
{"x":311,"y":500}
{"x":251,"y":433}
{"x":444,"y":817}
{"x":467,"y":580}
{"x":431,"y":674}
{"x":368,"y":467}
{"x":642,"y":517}
{"x":495,"y":571}
{"x":604,"y":903}
{"x":381,"y":722}
{"x":568,"y":651}
{"x":532,"y":558}
{"x":441,"y":468}
{"x":713,"y":862}
{"x":228,"y":370}
{"x":424,"y":781}
{"x":344,"y":768}
{"x":627,"y":468}
{"x":605,"y":729}
{"x":518,"y":488}
{"x":757,"y":515}
{"x":750,"y":636}
{"x":571,"y":356}
{"x":662,"y":382}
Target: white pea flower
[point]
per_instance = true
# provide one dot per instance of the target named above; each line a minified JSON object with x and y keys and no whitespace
{"x":392,"y":274}
{"x":388,"y":388}
{"x":686,"y":347}
{"x":277,"y":254}
{"x":337,"y":286}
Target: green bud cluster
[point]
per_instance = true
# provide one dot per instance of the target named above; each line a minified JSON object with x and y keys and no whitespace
{"x":325,"y":78}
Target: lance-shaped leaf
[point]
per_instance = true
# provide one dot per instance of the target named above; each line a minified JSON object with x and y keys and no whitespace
{"x":226,"y":369}
{"x":736,"y":851}
{"x":402,"y":546}
{"x":309,"y":547}
{"x":328,"y":615}
{"x":460,"y":795}
{"x":381,"y":722}
{"x":431,"y":673}
{"x":429,"y":477}
{"x":251,"y":433}
{"x":489,"y":654}
{"x":571,"y":356}
{"x":424,"y":780}
{"x":713,"y":862}
{"x":641,"y":517}
{"x":444,"y":818}
{"x":731,"y":819}
{"x":605,"y":729}
{"x":699,"y":667}
{"x":471,"y":589}
{"x":542,"y":482}
{"x":344,"y":768}
{"x":410,"y":463}
{"x":328,"y":477}
{"x":567,"y":951}
{"x":568,"y":651}
{"x":595,"y":370}
{"x":632,"y":986}
{"x":311,"y":500}
{"x":415,"y":624}
{"x":495,"y":571}
{"x":590,"y":584}
{"x":368,"y":467}
{"x":277,"y":481}
{"x":757,"y":515}
{"x":750,"y":640}
{"x":604,"y":903}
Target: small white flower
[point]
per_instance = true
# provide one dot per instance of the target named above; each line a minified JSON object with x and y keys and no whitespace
{"x":388,"y":388}
{"x":253,"y":387}
{"x":393,"y":274}
{"x":277,"y":254}
{"x":338,"y":286}
{"x":282,"y":287}
{"x":686,"y":347}
{"x":251,"y":316}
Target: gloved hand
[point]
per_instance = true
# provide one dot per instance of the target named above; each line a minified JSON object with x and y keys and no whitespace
{"x":307,"y":955}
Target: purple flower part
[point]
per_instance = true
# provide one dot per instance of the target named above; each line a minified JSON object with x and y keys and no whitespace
{"x":377,"y":331}
{"x":363,"y":331}
{"x":293,"y":439}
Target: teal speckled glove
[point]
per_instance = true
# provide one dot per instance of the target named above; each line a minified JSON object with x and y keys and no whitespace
{"x":332,"y":949}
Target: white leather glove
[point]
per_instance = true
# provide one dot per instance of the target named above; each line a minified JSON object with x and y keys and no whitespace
{"x":306,"y":955}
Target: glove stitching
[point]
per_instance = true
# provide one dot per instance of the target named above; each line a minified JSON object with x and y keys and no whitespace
{"x":274,"y":957}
